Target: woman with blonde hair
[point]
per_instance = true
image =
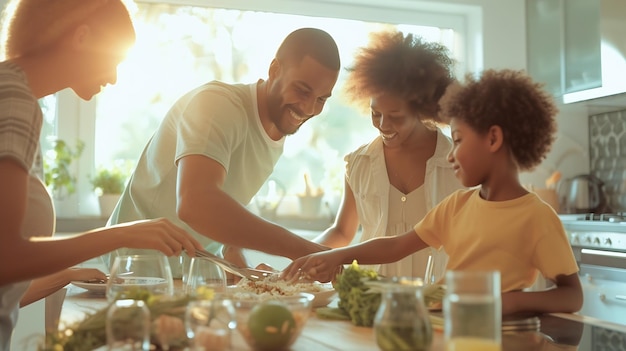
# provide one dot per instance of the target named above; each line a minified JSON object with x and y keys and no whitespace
{"x":50,"y":45}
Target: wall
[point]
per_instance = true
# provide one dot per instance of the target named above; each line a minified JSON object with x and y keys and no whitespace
{"x":607,"y":134}
{"x":503,"y":32}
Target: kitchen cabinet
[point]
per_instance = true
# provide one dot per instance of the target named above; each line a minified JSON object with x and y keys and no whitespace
{"x":577,"y":48}
{"x":543,"y":43}
{"x":564,"y":44}
{"x":581,"y":45}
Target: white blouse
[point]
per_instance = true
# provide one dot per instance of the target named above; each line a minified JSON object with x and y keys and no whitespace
{"x":376,"y":203}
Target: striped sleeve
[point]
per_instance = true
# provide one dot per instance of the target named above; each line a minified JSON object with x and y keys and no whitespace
{"x":20,"y":118}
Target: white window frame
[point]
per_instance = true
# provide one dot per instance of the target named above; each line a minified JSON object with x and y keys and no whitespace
{"x":76,"y":117}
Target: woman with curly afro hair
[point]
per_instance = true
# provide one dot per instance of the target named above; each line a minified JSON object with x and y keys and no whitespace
{"x":392,"y":181}
{"x":501,"y":123}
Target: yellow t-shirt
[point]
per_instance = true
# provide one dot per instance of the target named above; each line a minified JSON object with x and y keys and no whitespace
{"x":518,"y":237}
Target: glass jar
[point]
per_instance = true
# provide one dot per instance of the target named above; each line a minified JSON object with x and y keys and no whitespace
{"x":402,"y":321}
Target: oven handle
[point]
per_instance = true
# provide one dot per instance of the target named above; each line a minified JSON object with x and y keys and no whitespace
{"x":601,"y":280}
{"x":603,"y":258}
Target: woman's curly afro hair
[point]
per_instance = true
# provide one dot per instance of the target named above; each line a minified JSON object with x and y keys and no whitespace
{"x":511,"y":100}
{"x":404,"y":66}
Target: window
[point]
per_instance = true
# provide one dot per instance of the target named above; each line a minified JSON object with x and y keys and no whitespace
{"x":182,"y":46}
{"x":49,"y":127}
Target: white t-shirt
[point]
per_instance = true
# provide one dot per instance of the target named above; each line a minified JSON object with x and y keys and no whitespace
{"x":217,"y":120}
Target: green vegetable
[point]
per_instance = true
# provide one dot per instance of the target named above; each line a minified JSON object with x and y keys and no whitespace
{"x":433,"y":295}
{"x":399,"y":338}
{"x":355,"y":297}
{"x":332,"y":313}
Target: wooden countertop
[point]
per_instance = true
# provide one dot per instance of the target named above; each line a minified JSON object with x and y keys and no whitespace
{"x":318,"y":334}
{"x":558,"y":331}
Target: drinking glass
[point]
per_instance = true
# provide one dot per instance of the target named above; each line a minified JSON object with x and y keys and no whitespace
{"x":402,"y":322}
{"x":210,"y":324}
{"x":138,"y":274}
{"x":204,"y":273}
{"x":184,"y":261}
{"x":128,"y":326}
{"x":472,"y":309}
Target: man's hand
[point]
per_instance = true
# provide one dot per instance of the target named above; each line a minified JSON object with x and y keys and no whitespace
{"x":234,"y":255}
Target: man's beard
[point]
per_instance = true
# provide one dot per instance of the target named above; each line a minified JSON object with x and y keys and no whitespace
{"x":277,"y":112}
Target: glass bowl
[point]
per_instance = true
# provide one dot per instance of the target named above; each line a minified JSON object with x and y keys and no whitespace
{"x":272,"y":323}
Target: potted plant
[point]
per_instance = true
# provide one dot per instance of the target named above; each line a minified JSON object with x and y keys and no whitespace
{"x":57,"y":172}
{"x":109,"y":183}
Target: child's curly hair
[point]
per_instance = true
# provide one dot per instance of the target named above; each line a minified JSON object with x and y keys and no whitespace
{"x":402,"y":66}
{"x":511,"y":100}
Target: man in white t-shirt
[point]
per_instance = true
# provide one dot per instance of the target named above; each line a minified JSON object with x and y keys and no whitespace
{"x":219,"y":143}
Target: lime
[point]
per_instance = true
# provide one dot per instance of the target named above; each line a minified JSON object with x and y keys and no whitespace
{"x":271,"y":325}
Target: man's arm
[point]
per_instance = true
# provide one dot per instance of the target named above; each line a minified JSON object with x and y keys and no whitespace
{"x":204,"y":206}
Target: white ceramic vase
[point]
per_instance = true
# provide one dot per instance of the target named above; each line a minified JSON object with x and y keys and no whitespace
{"x":107,"y":204}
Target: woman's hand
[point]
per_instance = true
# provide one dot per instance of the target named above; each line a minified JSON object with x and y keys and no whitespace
{"x":157,"y":234}
{"x":45,"y":286}
{"x":84,"y":274}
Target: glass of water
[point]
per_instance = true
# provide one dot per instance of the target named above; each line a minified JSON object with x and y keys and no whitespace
{"x":472,"y":309}
{"x":204,"y":273}
{"x":135,"y":275}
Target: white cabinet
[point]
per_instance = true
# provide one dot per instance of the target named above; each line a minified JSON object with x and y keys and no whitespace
{"x":544,"y":48}
{"x":578,"y":48}
{"x":563,"y":43}
{"x":581,"y":45}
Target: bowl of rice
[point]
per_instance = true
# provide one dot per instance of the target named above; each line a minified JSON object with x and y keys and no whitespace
{"x":270,"y":287}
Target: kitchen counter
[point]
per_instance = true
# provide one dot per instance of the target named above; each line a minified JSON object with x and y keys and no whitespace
{"x":589,"y":334}
{"x":557,"y":331}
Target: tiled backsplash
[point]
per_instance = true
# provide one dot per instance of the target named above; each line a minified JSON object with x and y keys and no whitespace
{"x":607,"y":152}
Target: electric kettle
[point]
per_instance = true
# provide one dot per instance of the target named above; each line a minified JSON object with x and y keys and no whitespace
{"x":581,"y":194}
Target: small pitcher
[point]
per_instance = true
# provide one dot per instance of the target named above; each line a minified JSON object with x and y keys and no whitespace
{"x":402,"y":322}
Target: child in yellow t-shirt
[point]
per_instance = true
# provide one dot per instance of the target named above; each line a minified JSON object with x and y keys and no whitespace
{"x":501,"y":123}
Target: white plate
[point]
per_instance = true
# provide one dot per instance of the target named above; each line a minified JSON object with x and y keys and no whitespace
{"x":93,"y":287}
{"x":323,"y":298}
{"x":141,"y":281}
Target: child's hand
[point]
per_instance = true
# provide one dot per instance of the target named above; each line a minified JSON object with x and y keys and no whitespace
{"x":315,"y":267}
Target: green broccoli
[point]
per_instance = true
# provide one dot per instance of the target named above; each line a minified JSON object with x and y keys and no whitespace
{"x":355,"y":299}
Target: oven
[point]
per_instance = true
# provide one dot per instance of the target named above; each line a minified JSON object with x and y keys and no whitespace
{"x":599,"y":245}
